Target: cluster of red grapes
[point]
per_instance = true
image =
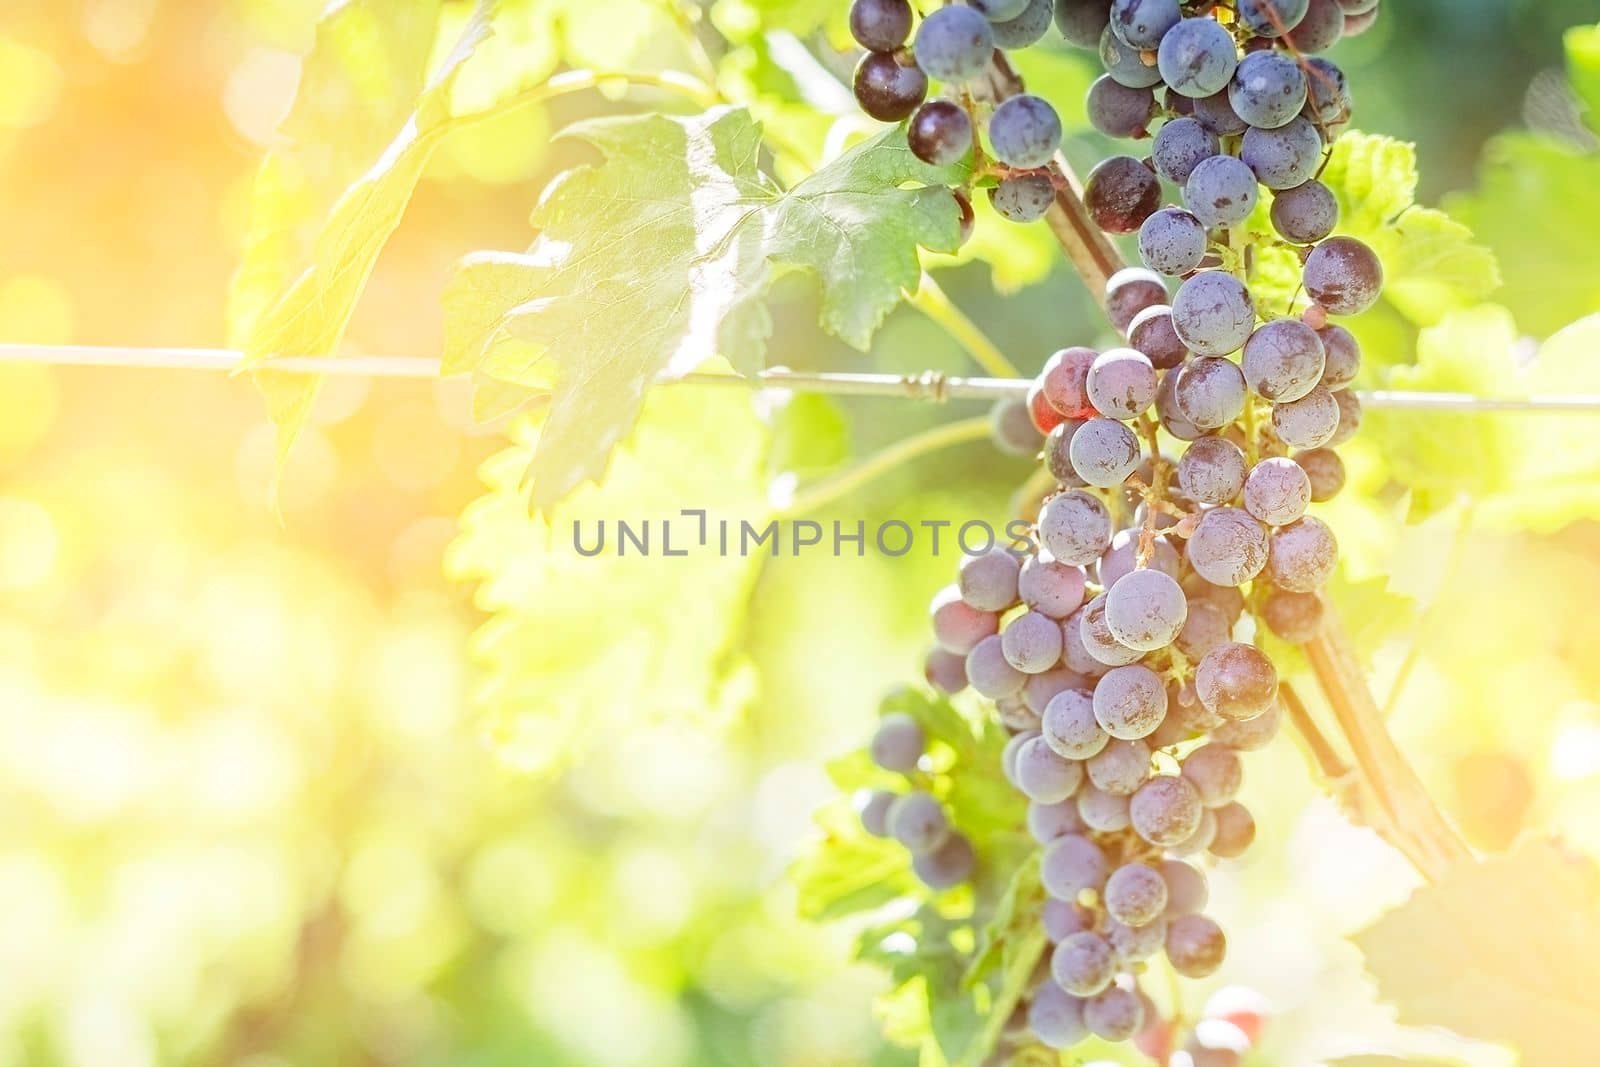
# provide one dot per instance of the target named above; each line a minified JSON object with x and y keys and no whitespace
{"x":1120,"y":648}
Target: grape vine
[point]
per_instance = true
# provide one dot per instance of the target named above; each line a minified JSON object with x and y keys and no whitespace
{"x":1119,"y":651}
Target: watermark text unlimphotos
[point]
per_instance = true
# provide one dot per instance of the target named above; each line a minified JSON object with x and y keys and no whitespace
{"x":693,"y":531}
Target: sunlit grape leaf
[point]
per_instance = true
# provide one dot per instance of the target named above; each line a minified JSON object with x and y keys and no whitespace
{"x":929,"y":1012}
{"x":981,"y":801}
{"x":1442,"y":456}
{"x":1013,"y":920}
{"x":364,"y":52}
{"x":930,"y":954}
{"x":660,"y":257}
{"x":1558,"y":455}
{"x":850,"y":871}
{"x":743,"y":20}
{"x":311,"y":314}
{"x":1431,"y":262}
{"x":951,"y":1010}
{"x":902,"y":1014}
{"x":810,"y":435}
{"x":930,"y":1006}
{"x":577,"y":645}
{"x":1523,"y":207}
{"x":1583,"y":69}
{"x":358,"y":87}
{"x":1524,"y":471}
{"x":376,"y":101}
{"x":1500,"y":950}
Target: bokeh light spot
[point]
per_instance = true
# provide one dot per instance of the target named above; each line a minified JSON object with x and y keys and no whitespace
{"x":31,"y":88}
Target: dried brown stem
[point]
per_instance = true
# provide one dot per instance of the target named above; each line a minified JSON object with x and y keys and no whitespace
{"x":1417,"y":826}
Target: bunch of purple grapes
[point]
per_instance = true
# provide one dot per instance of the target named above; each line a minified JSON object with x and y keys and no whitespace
{"x":1120,"y":649}
{"x":1241,"y":70}
{"x":954,"y":45}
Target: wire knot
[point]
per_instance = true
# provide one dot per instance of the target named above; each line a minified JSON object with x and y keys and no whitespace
{"x":932,"y":385}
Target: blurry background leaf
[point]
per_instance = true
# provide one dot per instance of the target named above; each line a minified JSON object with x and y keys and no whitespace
{"x":1529,"y":472}
{"x":1522,"y":206}
{"x":810,"y":435}
{"x":578,"y":647}
{"x":1583,"y":67}
{"x":309,"y":316}
{"x":372,"y":72}
{"x":358,"y":87}
{"x":1518,"y":977}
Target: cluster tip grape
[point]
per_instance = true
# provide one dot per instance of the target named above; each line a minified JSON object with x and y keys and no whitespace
{"x":1120,"y":649}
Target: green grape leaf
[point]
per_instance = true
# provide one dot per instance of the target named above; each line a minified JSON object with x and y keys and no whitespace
{"x":1014,"y":919}
{"x":985,"y":933}
{"x":810,"y":436}
{"x":927,"y":1007}
{"x":1431,"y":263}
{"x":1524,"y":471}
{"x":1583,"y":70}
{"x":982,"y":803}
{"x":746,"y":20}
{"x":364,"y":51}
{"x":1441,"y":457}
{"x":358,"y":87}
{"x":1523,"y":208}
{"x":578,"y":645}
{"x":376,"y":101}
{"x":1500,"y":950}
{"x":659,"y":258}
{"x":956,"y":1021}
{"x":931,"y":1005}
{"x":850,"y":871}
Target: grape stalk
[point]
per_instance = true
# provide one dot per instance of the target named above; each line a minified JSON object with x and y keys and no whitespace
{"x":1121,"y":650}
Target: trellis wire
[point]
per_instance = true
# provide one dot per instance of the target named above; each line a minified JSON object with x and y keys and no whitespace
{"x":933,"y":386}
